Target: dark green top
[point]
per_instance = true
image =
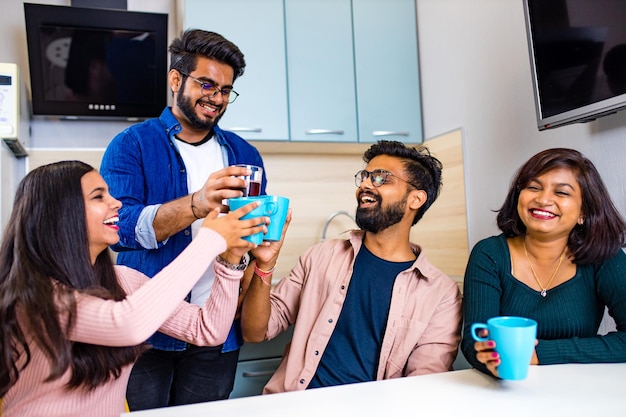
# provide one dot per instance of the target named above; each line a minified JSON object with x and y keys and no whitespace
{"x":568,"y":317}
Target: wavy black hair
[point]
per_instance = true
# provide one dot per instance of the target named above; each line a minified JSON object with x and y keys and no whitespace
{"x":603,"y":232}
{"x":423,"y":169}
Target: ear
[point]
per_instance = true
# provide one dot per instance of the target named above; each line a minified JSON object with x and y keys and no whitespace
{"x":417,"y":198}
{"x":175,"y":80}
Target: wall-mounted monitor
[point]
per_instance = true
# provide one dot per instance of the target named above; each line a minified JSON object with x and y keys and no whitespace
{"x":96,"y":63}
{"x":578,"y":59}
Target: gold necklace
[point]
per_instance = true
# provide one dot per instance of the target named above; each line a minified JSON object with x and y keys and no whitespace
{"x":544,"y":290}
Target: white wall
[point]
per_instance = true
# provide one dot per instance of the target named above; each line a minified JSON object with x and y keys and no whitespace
{"x":475,"y":74}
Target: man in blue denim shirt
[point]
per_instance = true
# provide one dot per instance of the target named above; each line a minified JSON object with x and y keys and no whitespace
{"x":170,"y":172}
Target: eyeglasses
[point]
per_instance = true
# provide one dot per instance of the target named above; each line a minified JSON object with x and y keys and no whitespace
{"x":378,"y":177}
{"x":211,"y":91}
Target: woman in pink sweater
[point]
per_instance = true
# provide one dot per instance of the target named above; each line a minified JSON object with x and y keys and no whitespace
{"x":71,"y":323}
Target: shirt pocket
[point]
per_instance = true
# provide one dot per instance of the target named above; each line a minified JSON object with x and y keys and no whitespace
{"x":407,"y":334}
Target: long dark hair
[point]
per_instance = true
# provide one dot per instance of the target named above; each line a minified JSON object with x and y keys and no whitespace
{"x":423,"y":169}
{"x":603,"y":232}
{"x":44,"y":258}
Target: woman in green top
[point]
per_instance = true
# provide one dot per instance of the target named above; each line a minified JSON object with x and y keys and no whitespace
{"x":559,"y":261}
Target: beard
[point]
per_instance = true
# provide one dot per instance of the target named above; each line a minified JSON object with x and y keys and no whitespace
{"x":188,"y":109}
{"x":375,"y":219}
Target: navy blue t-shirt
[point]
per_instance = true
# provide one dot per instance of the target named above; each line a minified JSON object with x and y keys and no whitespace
{"x":354,"y":348}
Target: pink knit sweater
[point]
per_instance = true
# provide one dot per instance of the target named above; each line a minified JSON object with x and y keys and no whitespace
{"x":151,"y":305}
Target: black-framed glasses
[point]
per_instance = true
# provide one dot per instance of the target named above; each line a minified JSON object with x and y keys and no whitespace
{"x":378,"y":177}
{"x":209,"y":90}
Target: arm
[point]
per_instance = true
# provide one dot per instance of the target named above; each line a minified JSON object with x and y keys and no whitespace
{"x":174,"y":216}
{"x":122,"y":169}
{"x":481,"y":295}
{"x":209,"y":325}
{"x":256,"y":307}
{"x":132,"y":182}
{"x":134,"y":319}
{"x":255,"y":310}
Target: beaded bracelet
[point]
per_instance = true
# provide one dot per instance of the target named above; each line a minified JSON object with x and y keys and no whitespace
{"x":264,"y":274}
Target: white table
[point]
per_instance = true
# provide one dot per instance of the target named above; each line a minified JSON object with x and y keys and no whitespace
{"x":557,"y":390}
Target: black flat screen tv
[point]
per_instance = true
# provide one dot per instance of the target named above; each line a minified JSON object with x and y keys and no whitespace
{"x":96,"y":63}
{"x":578,"y":59}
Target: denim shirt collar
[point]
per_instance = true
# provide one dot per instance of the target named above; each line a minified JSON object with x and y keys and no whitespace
{"x":172,"y":127}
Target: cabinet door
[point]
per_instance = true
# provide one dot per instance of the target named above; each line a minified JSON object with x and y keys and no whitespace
{"x":387,"y":72}
{"x":320,"y":70}
{"x":257,"y":28}
{"x":251,"y":376}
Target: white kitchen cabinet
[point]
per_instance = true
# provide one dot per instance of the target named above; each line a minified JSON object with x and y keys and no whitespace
{"x":320,"y":70}
{"x":387,"y":70}
{"x":257,"y":28}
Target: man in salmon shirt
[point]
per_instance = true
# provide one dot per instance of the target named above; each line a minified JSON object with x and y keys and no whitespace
{"x":368,"y":307}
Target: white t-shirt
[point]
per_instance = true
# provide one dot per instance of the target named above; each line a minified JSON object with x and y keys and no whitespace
{"x":201,"y":161}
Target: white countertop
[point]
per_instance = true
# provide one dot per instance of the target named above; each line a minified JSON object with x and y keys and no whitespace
{"x":556,"y":390}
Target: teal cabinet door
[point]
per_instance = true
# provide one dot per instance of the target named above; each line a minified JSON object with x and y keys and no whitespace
{"x":387,"y":70}
{"x":257,"y":28}
{"x":320,"y":70}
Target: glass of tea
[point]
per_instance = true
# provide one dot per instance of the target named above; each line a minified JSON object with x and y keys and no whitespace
{"x":253,"y":181}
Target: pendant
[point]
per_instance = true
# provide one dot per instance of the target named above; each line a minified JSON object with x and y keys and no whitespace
{"x":543,"y":293}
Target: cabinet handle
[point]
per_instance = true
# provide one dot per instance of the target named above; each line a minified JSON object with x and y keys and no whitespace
{"x":389,"y":133}
{"x":257,"y":374}
{"x":323,"y":132}
{"x":244,"y":129}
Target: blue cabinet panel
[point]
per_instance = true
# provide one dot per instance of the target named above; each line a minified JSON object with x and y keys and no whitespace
{"x":387,"y":71}
{"x":257,"y":28}
{"x":320,"y":70}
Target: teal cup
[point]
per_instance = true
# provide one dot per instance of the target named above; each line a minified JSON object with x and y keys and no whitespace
{"x":266,"y":208}
{"x":515,"y":342}
{"x":277,"y":218}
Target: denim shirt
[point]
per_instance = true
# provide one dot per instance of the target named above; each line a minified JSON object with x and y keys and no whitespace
{"x":143,"y":167}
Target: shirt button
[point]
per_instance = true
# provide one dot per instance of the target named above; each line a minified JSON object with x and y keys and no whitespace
{"x":317,"y":352}
{"x":330,"y":320}
{"x":343,"y":287}
{"x":302,"y":381}
{"x":186,"y":232}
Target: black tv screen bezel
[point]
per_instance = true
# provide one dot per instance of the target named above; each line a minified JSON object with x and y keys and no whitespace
{"x":38,"y":15}
{"x":579,"y":114}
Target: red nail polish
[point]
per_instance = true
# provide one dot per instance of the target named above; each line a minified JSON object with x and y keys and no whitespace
{"x":491,"y":343}
{"x":494,"y":355}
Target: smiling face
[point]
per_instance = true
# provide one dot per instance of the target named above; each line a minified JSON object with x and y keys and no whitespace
{"x":551,"y":203}
{"x":101,"y":212}
{"x":382,"y":207}
{"x":191,"y":107}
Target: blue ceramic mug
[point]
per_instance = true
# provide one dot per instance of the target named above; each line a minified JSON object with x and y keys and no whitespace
{"x":515,"y":342}
{"x":277,"y":218}
{"x":266,"y":208}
